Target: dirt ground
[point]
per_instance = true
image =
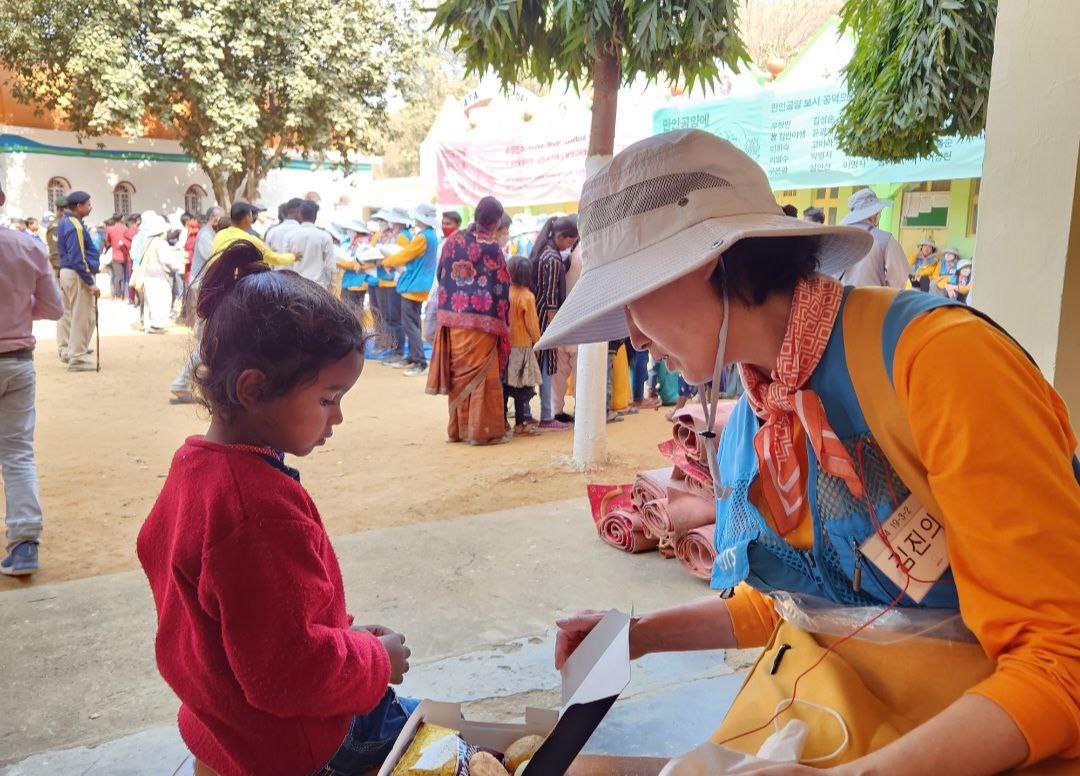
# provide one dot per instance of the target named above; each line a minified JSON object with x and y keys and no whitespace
{"x":104,"y":442}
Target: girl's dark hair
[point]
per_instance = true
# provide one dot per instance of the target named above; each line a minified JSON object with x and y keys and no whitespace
{"x":488,"y":212}
{"x":287,"y":327}
{"x":520,"y":268}
{"x":755,"y":267}
{"x":565,"y":226}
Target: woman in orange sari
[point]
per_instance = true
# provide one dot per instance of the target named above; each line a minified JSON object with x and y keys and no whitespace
{"x":472,"y":343}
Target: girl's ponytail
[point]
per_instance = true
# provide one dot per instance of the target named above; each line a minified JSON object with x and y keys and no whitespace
{"x":223,"y":274}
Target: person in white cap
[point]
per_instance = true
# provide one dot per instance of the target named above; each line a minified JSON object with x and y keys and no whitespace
{"x":965,"y":279}
{"x":394,"y":237}
{"x":156,"y":261}
{"x":926,"y":267}
{"x":358,"y":276}
{"x":417,"y":261}
{"x":947,"y":279}
{"x":860,"y":436}
{"x":885,"y":264}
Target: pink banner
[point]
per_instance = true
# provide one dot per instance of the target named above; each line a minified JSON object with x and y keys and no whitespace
{"x":518,"y":172}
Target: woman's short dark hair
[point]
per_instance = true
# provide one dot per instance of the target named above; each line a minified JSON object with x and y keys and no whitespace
{"x":564,"y":226}
{"x":287,"y":327}
{"x":453,"y":215}
{"x":756,"y":267}
{"x":488,"y":212}
{"x":520,"y":268}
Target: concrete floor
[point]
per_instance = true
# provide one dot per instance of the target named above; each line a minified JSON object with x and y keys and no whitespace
{"x":476,"y":597}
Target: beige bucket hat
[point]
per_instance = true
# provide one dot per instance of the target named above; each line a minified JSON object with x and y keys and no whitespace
{"x":664,"y":207}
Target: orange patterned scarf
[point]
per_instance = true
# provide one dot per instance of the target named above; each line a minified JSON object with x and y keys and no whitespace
{"x":778,"y":398}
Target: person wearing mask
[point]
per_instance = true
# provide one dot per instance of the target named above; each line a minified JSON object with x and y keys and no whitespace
{"x":78,"y":268}
{"x":116,"y":240}
{"x":28,"y":292}
{"x":313,"y":248}
{"x":50,"y":236}
{"x":417,"y":261}
{"x":278,"y":235}
{"x":965,"y":279}
{"x":204,"y":241}
{"x":261,"y":225}
{"x":859,"y":429}
{"x":241,"y":215}
{"x":814,"y":215}
{"x":550,"y":257}
{"x":392,"y":239}
{"x":948,"y":280}
{"x":472,"y":343}
{"x":451,"y":222}
{"x":885,"y":264}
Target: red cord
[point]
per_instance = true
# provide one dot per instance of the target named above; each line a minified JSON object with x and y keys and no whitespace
{"x":908,"y":579}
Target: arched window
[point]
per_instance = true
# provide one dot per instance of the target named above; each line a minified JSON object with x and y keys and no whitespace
{"x":57,"y":187}
{"x":193,"y":199}
{"x":122,"y":198}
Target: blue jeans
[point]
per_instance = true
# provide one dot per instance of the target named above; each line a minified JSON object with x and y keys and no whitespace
{"x":545,"y":396}
{"x":371,"y":737}
{"x":639,"y":371}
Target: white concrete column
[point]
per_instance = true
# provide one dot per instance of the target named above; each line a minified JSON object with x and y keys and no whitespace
{"x":1027,"y":255}
{"x":590,"y":386}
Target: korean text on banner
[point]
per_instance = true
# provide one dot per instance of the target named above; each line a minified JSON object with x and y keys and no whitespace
{"x":791,"y":136}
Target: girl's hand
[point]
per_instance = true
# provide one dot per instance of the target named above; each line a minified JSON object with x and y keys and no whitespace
{"x":394,"y":644}
{"x":378,"y":631}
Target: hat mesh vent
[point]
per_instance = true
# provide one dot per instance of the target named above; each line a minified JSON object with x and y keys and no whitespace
{"x":642,"y":197}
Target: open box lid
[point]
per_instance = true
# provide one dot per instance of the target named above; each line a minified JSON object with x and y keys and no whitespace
{"x":593,"y":678}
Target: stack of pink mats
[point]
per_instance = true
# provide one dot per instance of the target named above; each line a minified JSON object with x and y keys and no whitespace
{"x":670,"y":509}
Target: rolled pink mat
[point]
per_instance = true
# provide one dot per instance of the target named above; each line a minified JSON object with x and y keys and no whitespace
{"x":696,"y":553}
{"x":623,"y":528}
{"x":687,"y":510}
{"x":654,"y":515}
{"x":693,"y":474}
{"x":650,"y":486}
{"x":689,"y":424}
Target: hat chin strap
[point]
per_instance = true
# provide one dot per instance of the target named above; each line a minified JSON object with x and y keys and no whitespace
{"x":712,"y":403}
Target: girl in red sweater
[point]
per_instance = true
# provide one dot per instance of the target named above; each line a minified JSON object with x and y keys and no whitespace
{"x":253,"y":635}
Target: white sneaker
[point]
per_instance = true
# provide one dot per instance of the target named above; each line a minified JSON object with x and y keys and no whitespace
{"x":414,"y":370}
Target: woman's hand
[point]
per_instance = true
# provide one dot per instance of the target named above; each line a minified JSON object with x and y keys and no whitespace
{"x":573,"y":630}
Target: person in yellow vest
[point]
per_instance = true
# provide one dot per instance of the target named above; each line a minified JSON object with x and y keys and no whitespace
{"x":865,"y":470}
{"x":242,"y":216}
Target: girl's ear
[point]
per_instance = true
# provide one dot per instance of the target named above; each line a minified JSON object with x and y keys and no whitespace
{"x":250,"y":388}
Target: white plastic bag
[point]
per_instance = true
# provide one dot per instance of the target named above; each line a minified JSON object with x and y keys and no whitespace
{"x":784,"y":746}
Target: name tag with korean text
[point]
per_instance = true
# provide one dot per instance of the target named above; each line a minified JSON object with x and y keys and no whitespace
{"x":918,"y":539}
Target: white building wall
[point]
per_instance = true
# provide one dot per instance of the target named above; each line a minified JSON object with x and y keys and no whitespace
{"x":159,"y":185}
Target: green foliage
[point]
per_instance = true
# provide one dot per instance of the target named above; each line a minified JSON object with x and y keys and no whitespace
{"x":240,"y":82}
{"x":432,"y":77}
{"x":549,"y":40}
{"x":921,"y":71}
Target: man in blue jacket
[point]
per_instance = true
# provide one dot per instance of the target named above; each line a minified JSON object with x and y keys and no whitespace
{"x":78,"y":268}
{"x":418,"y":259}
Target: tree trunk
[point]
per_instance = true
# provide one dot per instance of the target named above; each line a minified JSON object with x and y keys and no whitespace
{"x":591,"y":408}
{"x":222,"y":195}
{"x":251,"y":183}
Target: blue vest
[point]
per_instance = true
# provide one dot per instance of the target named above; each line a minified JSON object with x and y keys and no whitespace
{"x":419,"y":274}
{"x":748,"y":549}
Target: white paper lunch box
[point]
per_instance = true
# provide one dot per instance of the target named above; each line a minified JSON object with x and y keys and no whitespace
{"x":593,"y":678}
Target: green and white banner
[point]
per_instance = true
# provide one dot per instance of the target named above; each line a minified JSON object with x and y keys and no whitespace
{"x":791,"y":136}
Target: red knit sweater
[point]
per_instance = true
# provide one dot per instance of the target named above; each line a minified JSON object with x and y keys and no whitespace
{"x":252,"y":630}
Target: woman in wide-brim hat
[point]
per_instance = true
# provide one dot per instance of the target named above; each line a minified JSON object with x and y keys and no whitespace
{"x":686,"y":250}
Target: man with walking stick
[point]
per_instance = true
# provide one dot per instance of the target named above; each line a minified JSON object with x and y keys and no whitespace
{"x":78,"y":267}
